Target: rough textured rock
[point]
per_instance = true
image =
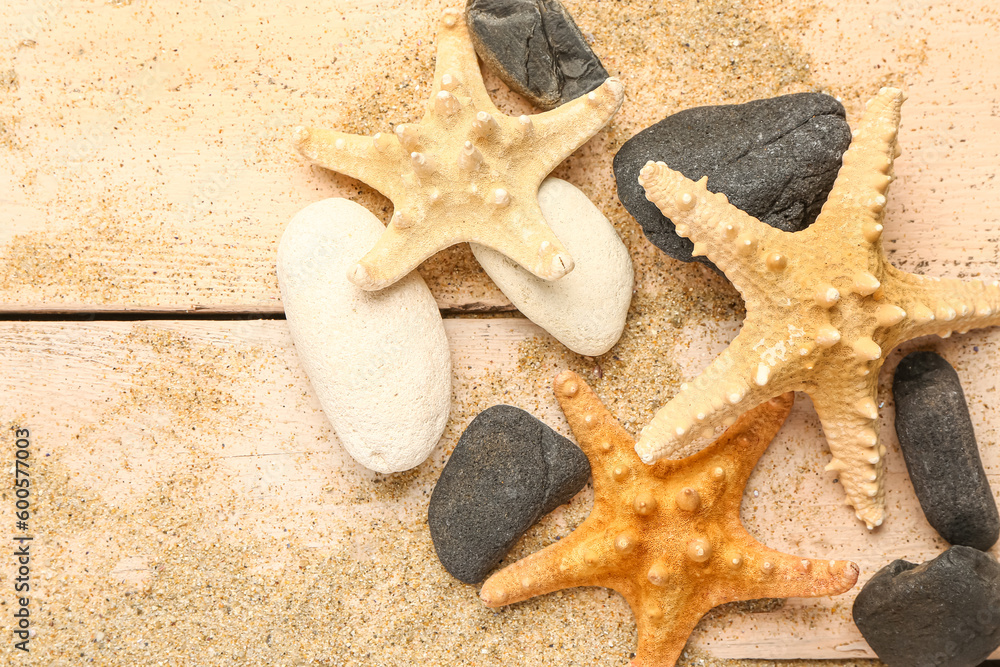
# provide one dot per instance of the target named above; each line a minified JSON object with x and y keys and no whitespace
{"x":939,"y":445}
{"x":507,"y":471}
{"x":943,"y":612}
{"x":776,"y":159}
{"x":378,"y":361}
{"x":535,"y":48}
{"x":584,"y":310}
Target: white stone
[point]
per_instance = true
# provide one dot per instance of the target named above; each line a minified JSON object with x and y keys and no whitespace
{"x":378,"y":361}
{"x":585,"y":309}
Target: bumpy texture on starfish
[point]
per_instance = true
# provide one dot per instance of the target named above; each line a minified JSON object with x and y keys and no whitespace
{"x":824,"y":306}
{"x":465,"y":172}
{"x":668,"y":537}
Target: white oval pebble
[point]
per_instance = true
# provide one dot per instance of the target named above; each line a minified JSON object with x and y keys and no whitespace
{"x":378,"y":361}
{"x":585,"y":309}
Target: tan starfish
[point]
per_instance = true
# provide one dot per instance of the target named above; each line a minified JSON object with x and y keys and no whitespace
{"x":824,"y":306}
{"x":466,"y":171}
{"x":668,"y":537}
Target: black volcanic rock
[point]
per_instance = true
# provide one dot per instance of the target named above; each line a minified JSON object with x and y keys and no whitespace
{"x":535,"y":48}
{"x":507,"y":471}
{"x":776,"y":159}
{"x":939,"y":445}
{"x":943,"y":612}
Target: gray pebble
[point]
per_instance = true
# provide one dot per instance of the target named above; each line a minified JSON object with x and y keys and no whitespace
{"x":507,"y":471}
{"x":939,"y":445}
{"x":942,"y":613}
{"x":776,"y":159}
{"x":535,"y":48}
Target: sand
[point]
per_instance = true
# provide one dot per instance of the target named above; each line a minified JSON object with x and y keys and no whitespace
{"x":159,"y":548}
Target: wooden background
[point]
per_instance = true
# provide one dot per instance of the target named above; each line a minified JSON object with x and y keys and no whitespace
{"x":193,"y":504}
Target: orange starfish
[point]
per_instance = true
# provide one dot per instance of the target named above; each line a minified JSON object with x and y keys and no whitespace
{"x":668,"y":537}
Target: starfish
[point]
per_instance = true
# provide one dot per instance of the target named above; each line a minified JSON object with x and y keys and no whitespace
{"x":667,"y":537}
{"x":466,"y":171}
{"x":824,"y":306}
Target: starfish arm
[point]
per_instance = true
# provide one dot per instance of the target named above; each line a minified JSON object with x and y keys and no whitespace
{"x":412,"y":237}
{"x":557,"y":566}
{"x":857,"y":201}
{"x":741,"y":446}
{"x":596,"y":429}
{"x":720,"y":231}
{"x":756,"y":366}
{"x":363,"y":158}
{"x":849,"y":414}
{"x":554,"y":135}
{"x":940,"y":305}
{"x":456,"y":69}
{"x":661,"y":639}
{"x":399,"y":250}
{"x":779,"y":575}
{"x":532,"y":244}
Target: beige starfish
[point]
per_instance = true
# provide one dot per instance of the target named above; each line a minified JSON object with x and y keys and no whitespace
{"x":668,"y":537}
{"x":824,"y":306}
{"x":466,"y":171}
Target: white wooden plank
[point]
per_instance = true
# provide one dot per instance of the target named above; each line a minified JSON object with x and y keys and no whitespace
{"x":944,"y":211}
{"x":185,"y":468}
{"x":145,"y":160}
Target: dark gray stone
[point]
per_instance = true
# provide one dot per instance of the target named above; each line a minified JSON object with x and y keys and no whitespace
{"x":776,"y":159}
{"x":943,"y":613}
{"x":507,"y":471}
{"x":939,"y":445}
{"x":535,"y":48}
